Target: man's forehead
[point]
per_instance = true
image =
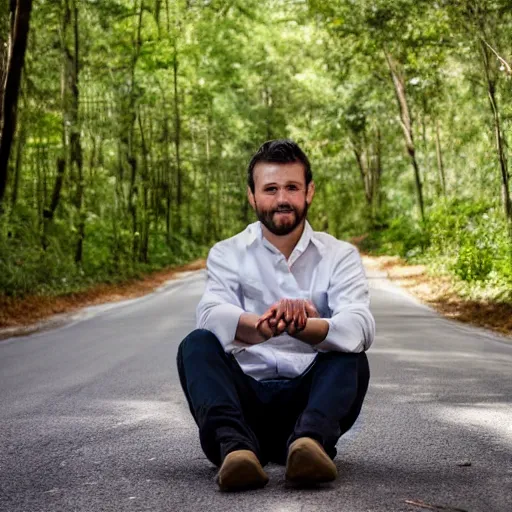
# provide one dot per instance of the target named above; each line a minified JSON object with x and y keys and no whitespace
{"x":276,"y":172}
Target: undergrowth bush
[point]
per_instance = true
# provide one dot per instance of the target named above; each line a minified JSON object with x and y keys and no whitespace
{"x":465,"y":238}
{"x":25,"y":268}
{"x":472,"y":238}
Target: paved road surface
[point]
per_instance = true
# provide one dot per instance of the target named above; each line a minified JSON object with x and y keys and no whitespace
{"x":92,"y":417}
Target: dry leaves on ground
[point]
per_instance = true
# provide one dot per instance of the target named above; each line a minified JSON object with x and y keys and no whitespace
{"x":15,"y":312}
{"x":439,"y":292}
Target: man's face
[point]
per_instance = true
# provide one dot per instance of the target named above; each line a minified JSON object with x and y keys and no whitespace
{"x":280,"y":197}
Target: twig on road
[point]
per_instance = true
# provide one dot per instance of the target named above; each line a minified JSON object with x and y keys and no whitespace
{"x":422,"y":504}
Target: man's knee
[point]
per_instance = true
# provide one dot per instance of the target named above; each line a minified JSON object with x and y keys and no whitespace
{"x":343,"y":357}
{"x":199,"y":343}
{"x":356,"y":361}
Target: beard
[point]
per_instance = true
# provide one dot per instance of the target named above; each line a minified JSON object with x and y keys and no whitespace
{"x":282,"y":225}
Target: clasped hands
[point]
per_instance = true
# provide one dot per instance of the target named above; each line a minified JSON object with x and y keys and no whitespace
{"x":286,"y":315}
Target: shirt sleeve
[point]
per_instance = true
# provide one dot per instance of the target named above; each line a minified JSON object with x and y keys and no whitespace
{"x":351,"y":326}
{"x":220,"y":306}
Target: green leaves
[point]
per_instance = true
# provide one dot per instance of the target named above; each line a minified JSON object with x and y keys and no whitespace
{"x":182,"y":93}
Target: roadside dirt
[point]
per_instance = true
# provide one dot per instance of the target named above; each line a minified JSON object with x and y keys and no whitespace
{"x":438,"y":292}
{"x":33,"y":309}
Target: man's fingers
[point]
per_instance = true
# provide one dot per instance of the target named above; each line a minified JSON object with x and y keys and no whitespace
{"x":289,"y":308}
{"x":299,"y":314}
{"x":291,"y":330}
{"x":301,"y":322}
{"x":266,"y":316}
{"x":281,"y":326}
{"x":311,"y":310}
{"x":293,"y":311}
{"x":287,"y":312}
{"x":265,"y":330}
{"x":261,"y":319}
{"x":304,"y":315}
{"x":281,"y":309}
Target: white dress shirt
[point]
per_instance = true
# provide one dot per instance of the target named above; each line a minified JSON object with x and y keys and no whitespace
{"x":246,"y":273}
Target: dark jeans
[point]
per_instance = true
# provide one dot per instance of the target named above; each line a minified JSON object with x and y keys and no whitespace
{"x":236,"y":412}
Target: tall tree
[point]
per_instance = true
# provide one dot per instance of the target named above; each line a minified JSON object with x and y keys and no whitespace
{"x":487,"y":23}
{"x":20,"y":16}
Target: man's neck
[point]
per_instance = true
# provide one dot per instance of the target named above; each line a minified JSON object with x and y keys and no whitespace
{"x":286,"y":243}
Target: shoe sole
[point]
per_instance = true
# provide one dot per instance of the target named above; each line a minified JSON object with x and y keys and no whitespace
{"x":241,"y":471}
{"x":308,"y":464}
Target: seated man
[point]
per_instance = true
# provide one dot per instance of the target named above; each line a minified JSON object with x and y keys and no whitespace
{"x":277,"y":370}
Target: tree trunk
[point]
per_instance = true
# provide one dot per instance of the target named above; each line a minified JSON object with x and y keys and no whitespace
{"x":177,"y":136}
{"x":406,"y":123}
{"x":363,"y":171}
{"x":17,"y":165}
{"x":269,"y":113}
{"x":129,"y":136}
{"x":368,"y":158}
{"x":75,"y":143}
{"x":210,"y":224}
{"x":49,"y":213}
{"x":500,"y":138}
{"x":5,"y":45}
{"x":440,"y":164}
{"x":376,"y":173}
{"x":167,"y":180}
{"x":70,"y":126}
{"x":20,"y":27}
{"x":144,"y":235}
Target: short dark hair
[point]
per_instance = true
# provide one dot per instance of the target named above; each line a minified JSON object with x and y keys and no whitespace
{"x":282,"y":151}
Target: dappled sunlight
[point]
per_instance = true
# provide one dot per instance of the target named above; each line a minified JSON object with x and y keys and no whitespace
{"x":381,"y":385}
{"x":294,"y":506}
{"x":489,"y":419}
{"x":443,"y":358}
{"x":152,"y":411}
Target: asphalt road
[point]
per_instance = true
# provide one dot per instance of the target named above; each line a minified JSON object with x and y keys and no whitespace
{"x":92,"y":417}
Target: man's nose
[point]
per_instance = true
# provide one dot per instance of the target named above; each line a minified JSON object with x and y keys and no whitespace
{"x":282,"y":196}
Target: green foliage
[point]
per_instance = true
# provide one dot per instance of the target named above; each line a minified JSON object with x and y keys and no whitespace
{"x":475,"y":257}
{"x":27,"y":269}
{"x":474,"y":236}
{"x":403,"y":237}
{"x":470,"y":239}
{"x":174,"y":98}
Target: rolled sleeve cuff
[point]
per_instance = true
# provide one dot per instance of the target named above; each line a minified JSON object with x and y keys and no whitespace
{"x":345,"y":334}
{"x":223,"y":320}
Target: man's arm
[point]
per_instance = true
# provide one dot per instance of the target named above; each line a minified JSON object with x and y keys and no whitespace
{"x":315,"y":331}
{"x":220,"y":308}
{"x":246,"y":331}
{"x":352,"y":326}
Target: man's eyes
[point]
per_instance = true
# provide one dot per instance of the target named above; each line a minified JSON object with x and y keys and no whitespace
{"x":273,"y":189}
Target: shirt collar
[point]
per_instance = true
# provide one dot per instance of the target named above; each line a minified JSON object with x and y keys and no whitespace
{"x":308,"y":235}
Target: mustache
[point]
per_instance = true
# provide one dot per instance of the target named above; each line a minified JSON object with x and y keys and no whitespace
{"x":284,"y":209}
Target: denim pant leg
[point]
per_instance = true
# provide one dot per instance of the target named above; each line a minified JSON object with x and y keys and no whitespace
{"x":213,"y":392}
{"x":284,"y":401}
{"x":337,"y":384}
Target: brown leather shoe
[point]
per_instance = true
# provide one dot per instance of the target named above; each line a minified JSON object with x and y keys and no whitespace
{"x":241,"y":470}
{"x":308,"y":463}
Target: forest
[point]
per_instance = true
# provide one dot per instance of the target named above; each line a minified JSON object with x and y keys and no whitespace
{"x":126,"y":127}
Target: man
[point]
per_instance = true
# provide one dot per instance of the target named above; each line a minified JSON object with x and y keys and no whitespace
{"x":276,"y":370}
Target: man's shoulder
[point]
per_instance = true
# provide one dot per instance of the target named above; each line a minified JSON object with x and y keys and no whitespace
{"x":333,"y":245}
{"x":236,"y":243}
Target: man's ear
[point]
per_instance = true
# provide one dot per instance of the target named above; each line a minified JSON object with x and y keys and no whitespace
{"x":310,"y":192}
{"x":250,"y":197}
